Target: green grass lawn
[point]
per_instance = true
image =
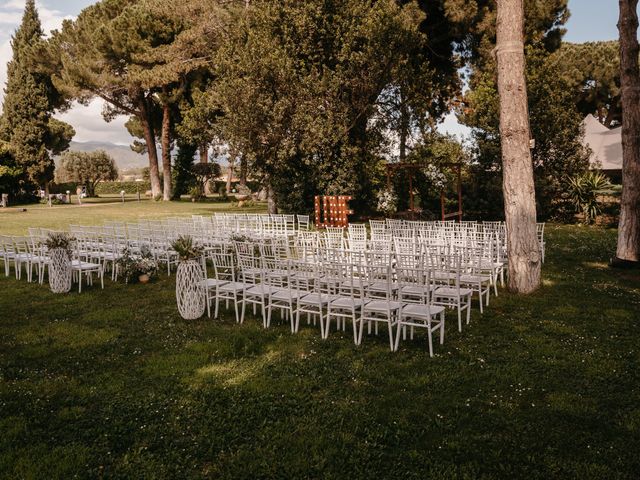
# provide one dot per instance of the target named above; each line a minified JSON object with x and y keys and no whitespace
{"x":16,"y":220}
{"x":114,"y":384}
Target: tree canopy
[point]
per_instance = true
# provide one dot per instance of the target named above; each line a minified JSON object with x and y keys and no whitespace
{"x":88,"y":168}
{"x":30,"y":99}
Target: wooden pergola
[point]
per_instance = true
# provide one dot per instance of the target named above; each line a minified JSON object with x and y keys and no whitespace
{"x":410,"y":168}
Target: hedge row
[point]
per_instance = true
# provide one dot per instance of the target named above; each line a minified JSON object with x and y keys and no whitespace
{"x":63,"y":187}
{"x":111,"y":188}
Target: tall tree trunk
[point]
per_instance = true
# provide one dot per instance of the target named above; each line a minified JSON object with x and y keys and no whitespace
{"x":166,"y":152}
{"x":150,"y":140}
{"x":203,"y":151}
{"x":232,"y":162}
{"x":404,"y":128}
{"x":628,"y":251}
{"x":272,"y":206}
{"x":517,"y":168}
{"x":204,"y":158}
{"x":243,"y":170}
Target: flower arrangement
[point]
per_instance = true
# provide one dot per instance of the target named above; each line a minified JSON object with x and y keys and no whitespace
{"x":132,"y":266}
{"x":387,"y":201}
{"x":186,"y":248}
{"x":59,"y":240}
{"x":435,"y":176}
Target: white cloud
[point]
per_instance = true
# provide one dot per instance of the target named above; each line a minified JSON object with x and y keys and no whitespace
{"x":87,"y":121}
{"x":91,"y":127}
{"x":11,"y":18}
{"x":451,"y":126}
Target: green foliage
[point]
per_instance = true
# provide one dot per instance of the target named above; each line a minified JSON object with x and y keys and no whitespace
{"x":592,"y":71}
{"x":583,"y":190}
{"x":387,"y":202}
{"x":308,"y":105}
{"x":203,"y":173}
{"x":182,"y":175}
{"x":59,"y":136}
{"x":130,"y":188}
{"x":11,"y":174}
{"x":52,"y":201}
{"x":187,"y":248}
{"x":28,"y":103}
{"x":60,"y":240}
{"x":88,"y":168}
{"x":131,"y":266}
{"x":556,"y":126}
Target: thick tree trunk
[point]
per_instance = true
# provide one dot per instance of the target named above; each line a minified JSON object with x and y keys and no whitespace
{"x":150,"y":140}
{"x":203,"y":151}
{"x":243,"y":170}
{"x":272,"y":206}
{"x":166,"y":152}
{"x":523,"y":248}
{"x":232,"y":162}
{"x":628,"y":251}
{"x":404,"y":128}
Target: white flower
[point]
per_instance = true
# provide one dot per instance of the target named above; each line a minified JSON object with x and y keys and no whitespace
{"x":387,"y":201}
{"x":435,"y":176}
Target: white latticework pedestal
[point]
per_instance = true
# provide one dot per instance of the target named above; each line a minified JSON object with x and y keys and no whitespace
{"x":190,"y":294}
{"x":59,"y":271}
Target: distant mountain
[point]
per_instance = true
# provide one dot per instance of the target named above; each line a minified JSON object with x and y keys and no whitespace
{"x":126,"y":159}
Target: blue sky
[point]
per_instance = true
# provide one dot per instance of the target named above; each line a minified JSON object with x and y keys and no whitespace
{"x":591,"y":20}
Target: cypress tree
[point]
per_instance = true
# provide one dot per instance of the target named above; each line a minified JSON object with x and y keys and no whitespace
{"x":26,"y":108}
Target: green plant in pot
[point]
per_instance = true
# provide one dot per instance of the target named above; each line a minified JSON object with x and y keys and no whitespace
{"x":60,"y":252}
{"x":190,"y":287}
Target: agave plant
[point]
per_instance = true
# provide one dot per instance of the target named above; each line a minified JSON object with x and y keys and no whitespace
{"x":186,"y":248}
{"x":583,"y":192}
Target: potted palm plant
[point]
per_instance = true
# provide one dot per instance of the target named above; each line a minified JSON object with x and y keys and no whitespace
{"x":190,"y":292}
{"x":60,"y":254}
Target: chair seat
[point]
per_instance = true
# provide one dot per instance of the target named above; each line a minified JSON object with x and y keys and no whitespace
{"x":381,"y":286}
{"x":452,"y":292}
{"x":232,"y":287}
{"x":214,"y":282}
{"x":444,"y":276}
{"x":315,"y":299}
{"x":347,"y":302}
{"x":381,"y":306}
{"x":415,"y":310}
{"x":475,"y":278}
{"x":415,"y":290}
{"x":261,"y":289}
{"x":286,"y":294}
{"x":80,"y":265}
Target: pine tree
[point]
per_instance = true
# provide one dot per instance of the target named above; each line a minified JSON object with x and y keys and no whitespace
{"x":628,"y":250}
{"x":26,"y":108}
{"x":517,"y":167}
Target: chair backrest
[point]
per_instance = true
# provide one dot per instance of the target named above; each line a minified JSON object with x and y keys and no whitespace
{"x":413,"y":283}
{"x":224,"y":266}
{"x":357,"y":236}
{"x":345,"y":277}
{"x":378,"y":280}
{"x":333,"y":237}
{"x":303,"y":222}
